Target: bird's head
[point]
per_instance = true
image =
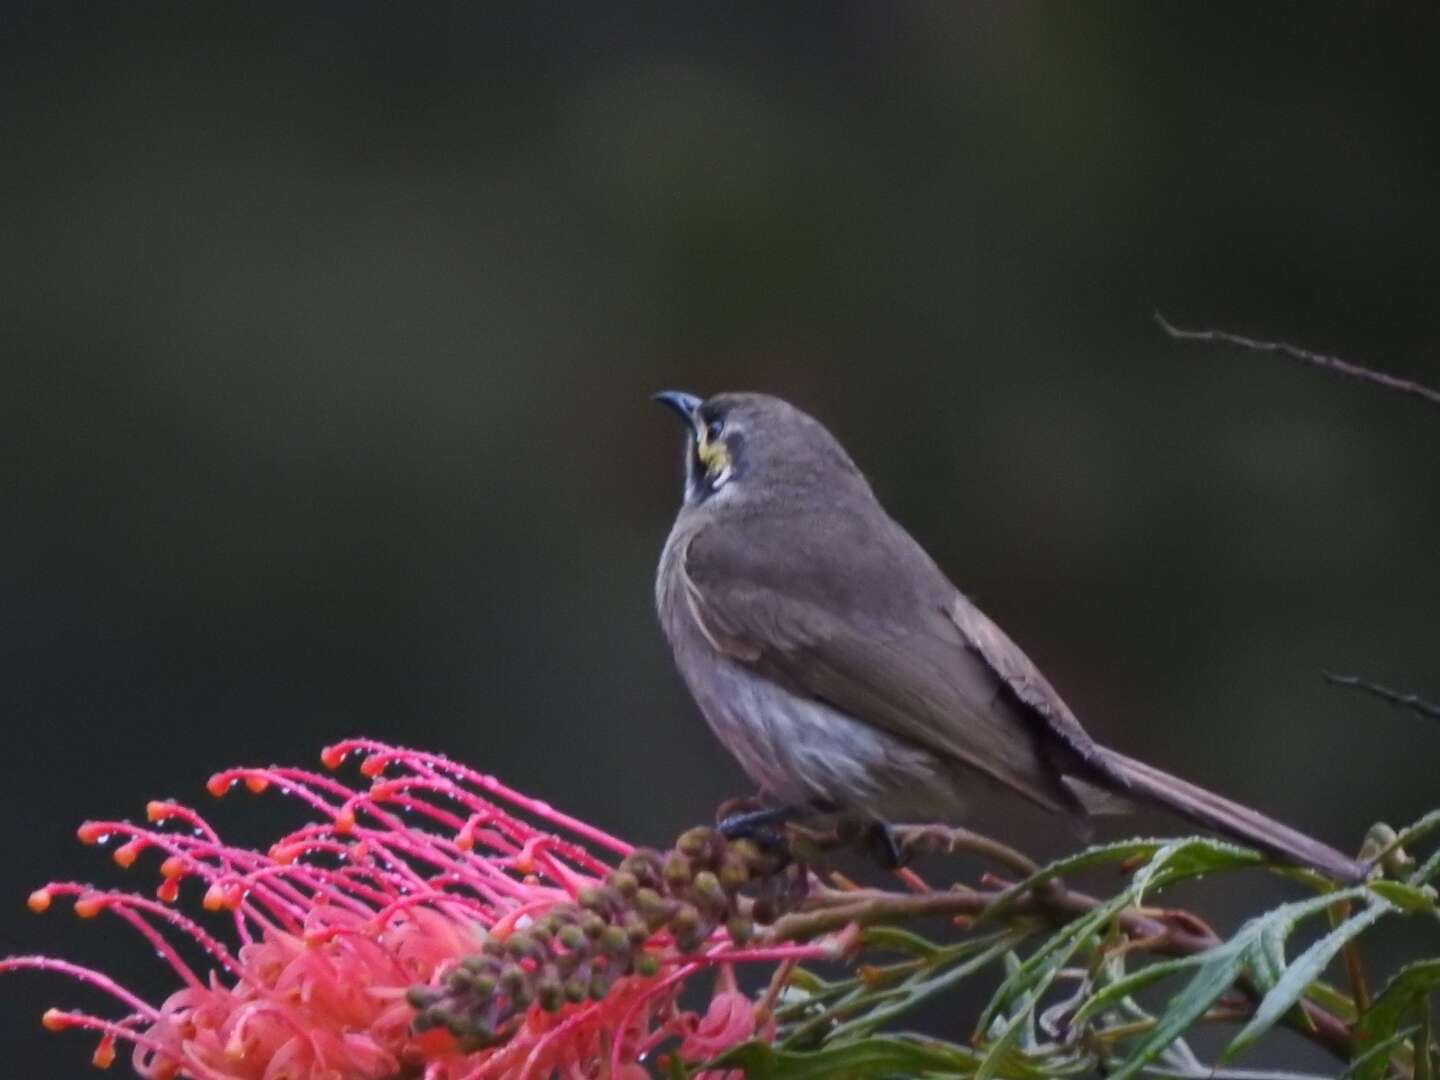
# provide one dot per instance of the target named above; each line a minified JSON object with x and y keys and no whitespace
{"x":756,"y":448}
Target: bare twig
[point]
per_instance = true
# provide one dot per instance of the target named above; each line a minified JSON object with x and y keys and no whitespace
{"x":1414,"y":702}
{"x":1354,"y":967}
{"x":1305,"y":356}
{"x":948,"y":840}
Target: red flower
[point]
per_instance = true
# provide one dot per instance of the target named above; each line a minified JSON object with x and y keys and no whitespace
{"x":728,"y":1022}
{"x":333,"y":926}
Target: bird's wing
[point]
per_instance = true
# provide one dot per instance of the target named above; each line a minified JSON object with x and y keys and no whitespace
{"x":1024,"y":679}
{"x":854,"y":614}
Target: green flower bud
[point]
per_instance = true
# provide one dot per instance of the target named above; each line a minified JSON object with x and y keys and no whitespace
{"x":655,"y":910}
{"x":523,"y":945}
{"x":686,"y":917}
{"x":734,"y":874}
{"x":480,"y":1036}
{"x":624,"y":883}
{"x":677,"y":870}
{"x":591,"y":897}
{"x":706,"y":888}
{"x":480,"y":964}
{"x":644,"y":864}
{"x":740,"y":929}
{"x":699,"y":843}
{"x":614,"y":941}
{"x":635,"y":929}
{"x":440,"y":1016}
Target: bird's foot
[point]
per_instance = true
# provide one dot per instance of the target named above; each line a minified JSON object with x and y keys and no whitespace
{"x":742,"y":804}
{"x":880,"y":843}
{"x":765,"y":827}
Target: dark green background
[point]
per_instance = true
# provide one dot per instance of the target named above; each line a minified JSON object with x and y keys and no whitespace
{"x":327,"y":332}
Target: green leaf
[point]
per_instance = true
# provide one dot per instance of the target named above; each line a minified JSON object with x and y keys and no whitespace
{"x":894,"y":939}
{"x":862,"y":1060}
{"x":1332,"y":1000}
{"x":1424,"y":1038}
{"x":1408,"y":835}
{"x":919,"y":991}
{"x":1374,"y":1061}
{"x":906,"y":986}
{"x":1217,"y":974}
{"x":1234,"y":1074}
{"x":1428,"y":869}
{"x":1407,"y":897}
{"x":1034,"y":976}
{"x":1267,"y":957}
{"x":1307,"y":968}
{"x":1218,"y":970}
{"x":1379,"y":1022}
{"x":1170,"y":862}
{"x":1189,"y":856}
{"x":1030,"y":981}
{"x":1002,"y":1049}
{"x":1131,"y":984}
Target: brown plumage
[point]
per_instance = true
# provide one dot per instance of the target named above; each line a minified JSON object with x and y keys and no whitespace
{"x":841,"y":666}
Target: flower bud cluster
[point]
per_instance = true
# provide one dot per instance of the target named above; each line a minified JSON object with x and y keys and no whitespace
{"x":646,"y":913}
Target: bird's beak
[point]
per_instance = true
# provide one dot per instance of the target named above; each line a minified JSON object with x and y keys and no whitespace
{"x":684,"y":404}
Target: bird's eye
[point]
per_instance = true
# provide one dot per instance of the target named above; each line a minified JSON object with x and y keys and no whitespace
{"x":714,"y":429}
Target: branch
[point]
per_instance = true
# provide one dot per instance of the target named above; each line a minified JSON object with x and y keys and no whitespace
{"x":1161,"y":932}
{"x":1305,"y":356}
{"x":1414,"y":702}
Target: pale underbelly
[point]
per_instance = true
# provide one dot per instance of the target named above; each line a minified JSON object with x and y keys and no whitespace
{"x":802,"y":751}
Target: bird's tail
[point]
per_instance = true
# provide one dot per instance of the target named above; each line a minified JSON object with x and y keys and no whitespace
{"x":1147,"y":784}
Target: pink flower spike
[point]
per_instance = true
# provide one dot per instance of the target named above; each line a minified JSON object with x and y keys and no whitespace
{"x":356,"y":937}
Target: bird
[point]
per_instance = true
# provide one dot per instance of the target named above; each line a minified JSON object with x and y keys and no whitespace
{"x":845,"y":672}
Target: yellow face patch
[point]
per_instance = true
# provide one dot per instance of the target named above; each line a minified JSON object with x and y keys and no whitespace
{"x":711,"y":452}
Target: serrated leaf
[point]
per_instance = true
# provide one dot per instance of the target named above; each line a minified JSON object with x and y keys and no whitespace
{"x":894,"y":939}
{"x":1306,"y":968}
{"x":862,"y":1060}
{"x":1035,"y":974}
{"x":1266,"y":959}
{"x":1379,"y":1022}
{"x":1133,"y":983}
{"x":1332,"y":1000}
{"x":1408,"y":835}
{"x":1096,"y":855}
{"x":1205,"y":1073}
{"x":1219,"y":968}
{"x":1188,"y":856}
{"x":919,"y":991}
{"x":1171,"y":862}
{"x":1003,"y":1049}
{"x":1405,"y":896}
{"x":1424,"y":1039}
{"x":1216,"y":975}
{"x":1378,"y":1056}
{"x":1427,"y":871}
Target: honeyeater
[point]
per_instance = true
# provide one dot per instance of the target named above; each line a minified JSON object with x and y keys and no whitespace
{"x":837,"y":662}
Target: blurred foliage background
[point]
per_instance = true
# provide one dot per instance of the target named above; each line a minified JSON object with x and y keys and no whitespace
{"x":327,"y":332}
